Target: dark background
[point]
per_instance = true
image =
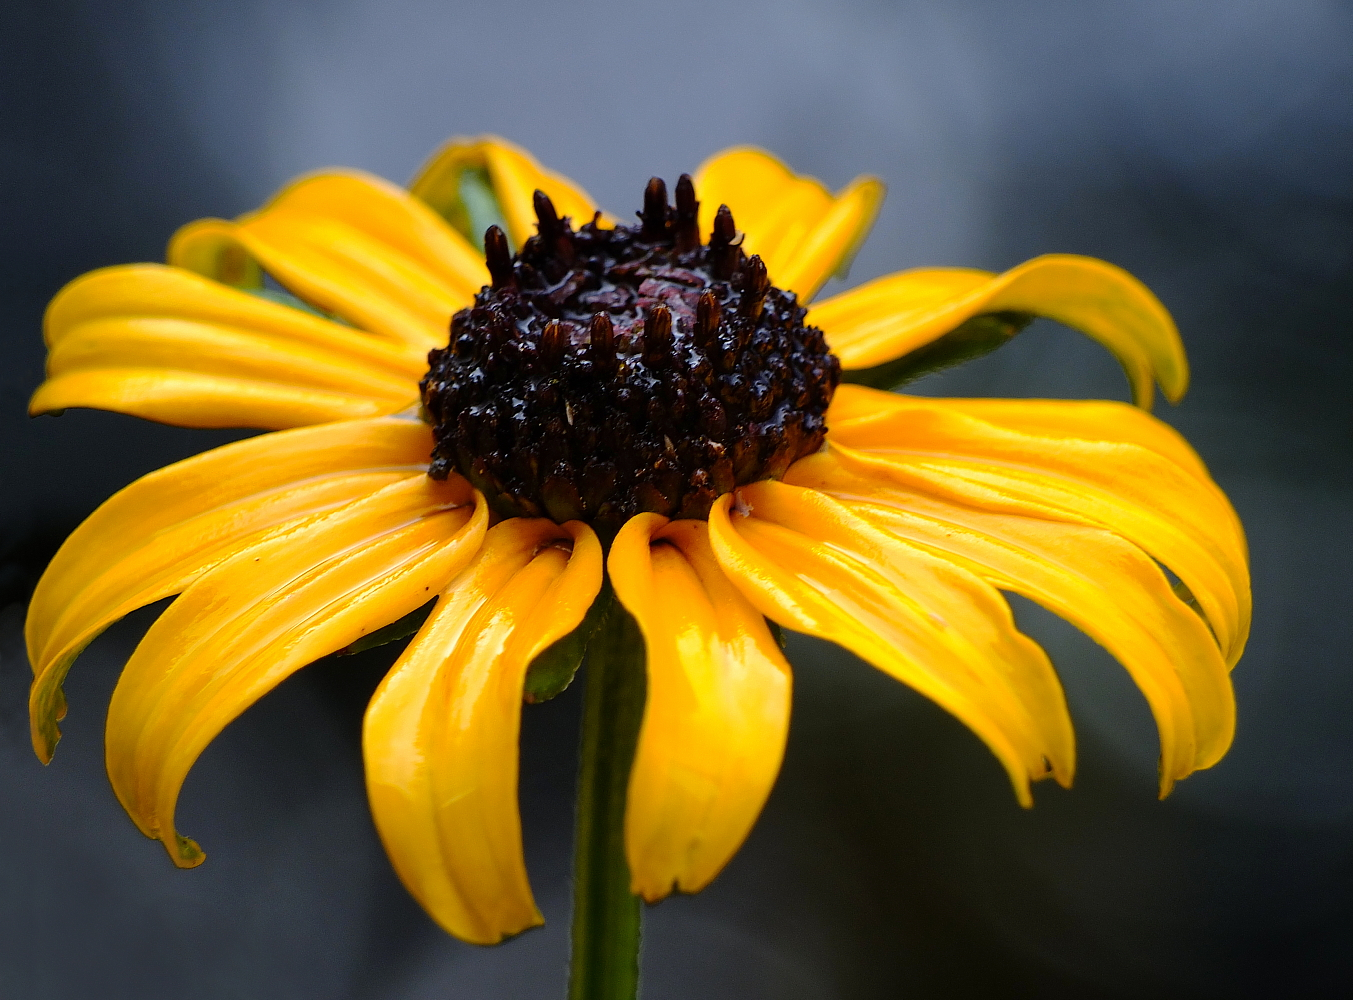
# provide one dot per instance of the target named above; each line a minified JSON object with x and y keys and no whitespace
{"x":1207,"y":147}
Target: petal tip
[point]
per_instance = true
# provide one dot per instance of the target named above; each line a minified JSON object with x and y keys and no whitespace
{"x":44,"y":746}
{"x":184,"y":852}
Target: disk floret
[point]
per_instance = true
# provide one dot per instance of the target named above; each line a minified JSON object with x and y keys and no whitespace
{"x":607,"y":372}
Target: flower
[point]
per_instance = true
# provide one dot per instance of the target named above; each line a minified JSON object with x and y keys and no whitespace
{"x":314,"y":318}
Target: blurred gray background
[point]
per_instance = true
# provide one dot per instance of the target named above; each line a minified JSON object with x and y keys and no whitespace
{"x":1207,"y":147}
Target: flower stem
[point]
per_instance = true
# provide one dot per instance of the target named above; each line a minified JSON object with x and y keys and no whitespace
{"x":604,"y":964}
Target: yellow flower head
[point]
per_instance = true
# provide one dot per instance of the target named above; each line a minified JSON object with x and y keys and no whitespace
{"x":648,"y":409}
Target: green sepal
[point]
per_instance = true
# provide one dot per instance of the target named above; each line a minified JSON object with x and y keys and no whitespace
{"x":284,"y":298}
{"x":477,"y":208}
{"x":978,"y":336}
{"x":400,"y":629}
{"x":553,"y":670}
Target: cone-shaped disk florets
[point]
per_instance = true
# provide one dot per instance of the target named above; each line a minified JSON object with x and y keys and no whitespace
{"x":607,"y":372}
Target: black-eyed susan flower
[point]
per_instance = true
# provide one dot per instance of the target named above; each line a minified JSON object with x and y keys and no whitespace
{"x":649,"y":411}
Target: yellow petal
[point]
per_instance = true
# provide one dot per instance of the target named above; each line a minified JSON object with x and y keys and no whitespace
{"x":1122,"y":484}
{"x":393,"y":217}
{"x":1089,"y":419}
{"x":190,"y":399}
{"x":803,"y":233}
{"x":514,"y":175}
{"x":179,"y":345}
{"x":717,"y":708}
{"x":351,"y":244}
{"x":165,"y":344}
{"x":828,"y":247}
{"x":895,"y":315}
{"x":441,"y":733}
{"x":131,"y":291}
{"x":1105,"y":585}
{"x":269,"y":609}
{"x":160,"y":533}
{"x":807,"y":562}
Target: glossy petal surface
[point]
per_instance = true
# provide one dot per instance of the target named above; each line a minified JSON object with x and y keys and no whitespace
{"x":441,"y":733}
{"x":717,"y":709}
{"x":809,"y":563}
{"x":273,"y":606}
{"x":352,"y":245}
{"x":156,"y":536}
{"x":891,"y":316}
{"x":1115,"y":481}
{"x":1103,"y":584}
{"x":166,"y":344}
{"x":514,"y":175}
{"x":802,"y":232}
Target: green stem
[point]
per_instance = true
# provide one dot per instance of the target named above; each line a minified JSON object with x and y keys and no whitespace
{"x":604,"y":964}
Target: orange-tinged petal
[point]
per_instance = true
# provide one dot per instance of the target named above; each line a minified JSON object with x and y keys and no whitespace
{"x":269,"y":609}
{"x":441,"y":733}
{"x":1105,"y":585}
{"x":1165,"y":508}
{"x":717,"y":708}
{"x":153,"y":538}
{"x":897,"y":314}
{"x":803,"y":233}
{"x":805,"y":561}
{"x":514,"y":175}
{"x":352,"y":244}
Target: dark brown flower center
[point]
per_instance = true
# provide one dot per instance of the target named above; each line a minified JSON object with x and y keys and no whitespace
{"x":608,"y":372}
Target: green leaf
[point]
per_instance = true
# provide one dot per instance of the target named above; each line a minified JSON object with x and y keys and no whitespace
{"x":552,"y":671}
{"x":396,"y":630}
{"x":978,"y":336}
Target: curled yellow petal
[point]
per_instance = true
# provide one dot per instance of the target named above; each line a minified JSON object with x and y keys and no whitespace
{"x":273,"y":606}
{"x":514,"y":175}
{"x":191,"y":399}
{"x":1103,"y":584}
{"x":441,"y":733}
{"x":802,"y":232}
{"x":717,"y":708}
{"x":178,"y":345}
{"x":1088,"y":419}
{"x":136,"y":291}
{"x":165,"y":344}
{"x":1117,"y":481}
{"x":829,"y":246}
{"x":897,"y":314}
{"x":156,"y":536}
{"x":351,"y":244}
{"x":805,"y":561}
{"x":389,"y":214}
